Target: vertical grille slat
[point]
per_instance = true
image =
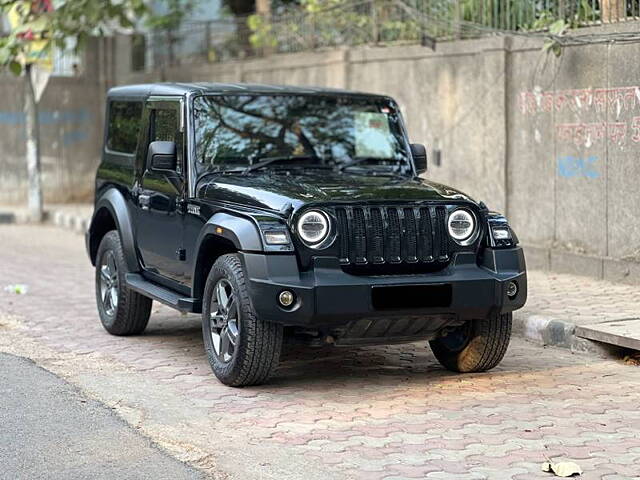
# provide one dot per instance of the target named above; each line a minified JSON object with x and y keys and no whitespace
{"x":377,"y":237}
{"x":393,"y":236}
{"x":426,"y":235}
{"x":343,"y":229}
{"x":410,"y":236}
{"x":401,"y":235}
{"x":359,"y":236}
{"x":441,"y":234}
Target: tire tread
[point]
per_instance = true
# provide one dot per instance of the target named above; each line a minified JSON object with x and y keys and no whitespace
{"x":485,"y":350}
{"x":260,"y":353}
{"x":134,"y":309}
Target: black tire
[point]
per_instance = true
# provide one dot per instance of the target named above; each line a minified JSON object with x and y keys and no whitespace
{"x":476,"y":346}
{"x":130,"y":314}
{"x":258,"y":344}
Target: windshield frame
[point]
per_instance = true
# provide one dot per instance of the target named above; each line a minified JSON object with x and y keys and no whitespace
{"x":402,"y":136}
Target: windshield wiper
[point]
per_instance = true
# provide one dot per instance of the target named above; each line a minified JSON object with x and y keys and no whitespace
{"x":265,"y":161}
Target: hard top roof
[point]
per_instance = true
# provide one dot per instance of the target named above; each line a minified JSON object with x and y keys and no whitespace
{"x":204,"y":88}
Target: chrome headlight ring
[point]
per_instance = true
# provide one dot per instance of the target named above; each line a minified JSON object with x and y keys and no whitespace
{"x":314,"y":229}
{"x":462,"y":226}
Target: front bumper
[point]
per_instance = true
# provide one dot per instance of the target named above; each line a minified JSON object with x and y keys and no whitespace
{"x":327,"y":296}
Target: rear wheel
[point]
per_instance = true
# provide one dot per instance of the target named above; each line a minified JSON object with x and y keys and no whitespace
{"x":476,"y":346}
{"x":242,"y":349}
{"x":122,"y":311}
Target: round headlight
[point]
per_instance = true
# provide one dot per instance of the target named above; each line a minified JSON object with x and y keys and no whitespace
{"x":313,"y":227}
{"x":461,"y":225}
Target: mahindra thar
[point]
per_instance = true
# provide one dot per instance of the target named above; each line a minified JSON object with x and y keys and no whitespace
{"x":297,"y":214}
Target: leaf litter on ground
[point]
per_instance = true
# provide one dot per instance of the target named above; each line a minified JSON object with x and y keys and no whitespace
{"x":562,"y":469}
{"x":18,"y":288}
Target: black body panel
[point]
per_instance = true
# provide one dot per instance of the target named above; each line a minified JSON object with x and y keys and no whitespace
{"x":327,"y":296}
{"x":273,"y":191}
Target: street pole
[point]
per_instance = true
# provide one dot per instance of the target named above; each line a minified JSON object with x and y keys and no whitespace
{"x":33,"y":148}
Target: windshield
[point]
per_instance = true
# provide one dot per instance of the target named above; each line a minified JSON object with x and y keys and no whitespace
{"x":343,"y":132}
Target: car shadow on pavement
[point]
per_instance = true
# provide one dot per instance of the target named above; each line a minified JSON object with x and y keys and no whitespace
{"x":321,"y":367}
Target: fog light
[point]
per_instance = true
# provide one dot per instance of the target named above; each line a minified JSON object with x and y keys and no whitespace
{"x":286,"y":298}
{"x":512,"y":290}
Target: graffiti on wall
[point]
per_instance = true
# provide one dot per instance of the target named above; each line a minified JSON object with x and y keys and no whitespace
{"x":618,"y":101}
{"x":570,"y":166}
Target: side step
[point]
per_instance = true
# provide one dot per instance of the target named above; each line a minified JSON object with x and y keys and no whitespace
{"x":138,"y":283}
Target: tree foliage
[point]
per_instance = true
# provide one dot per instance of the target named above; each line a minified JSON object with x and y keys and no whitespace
{"x":174,"y":15}
{"x":317,"y":23}
{"x":62,"y":22}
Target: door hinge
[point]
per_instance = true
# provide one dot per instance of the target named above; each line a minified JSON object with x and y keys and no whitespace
{"x":181,"y":254}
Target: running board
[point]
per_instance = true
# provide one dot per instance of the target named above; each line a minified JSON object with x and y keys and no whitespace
{"x":138,"y":283}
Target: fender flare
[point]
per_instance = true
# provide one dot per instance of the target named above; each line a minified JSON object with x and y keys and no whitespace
{"x":241,"y":232}
{"x":113,"y":201}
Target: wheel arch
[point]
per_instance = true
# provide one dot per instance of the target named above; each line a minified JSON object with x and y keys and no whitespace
{"x":222,"y":234}
{"x":211,"y":248}
{"x":111,"y":213}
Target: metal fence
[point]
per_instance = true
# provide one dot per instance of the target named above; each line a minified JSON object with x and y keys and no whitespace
{"x":369,"y":22}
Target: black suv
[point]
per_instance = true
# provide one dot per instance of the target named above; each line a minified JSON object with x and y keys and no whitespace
{"x":297,"y":214}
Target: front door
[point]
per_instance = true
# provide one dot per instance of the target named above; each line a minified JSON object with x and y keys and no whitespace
{"x":161,"y":196}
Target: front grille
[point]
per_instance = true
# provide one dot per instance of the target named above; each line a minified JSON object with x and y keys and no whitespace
{"x":379,"y":235}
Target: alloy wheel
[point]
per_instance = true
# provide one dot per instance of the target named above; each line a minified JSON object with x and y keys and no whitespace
{"x":109,"y":283}
{"x":224,"y":321}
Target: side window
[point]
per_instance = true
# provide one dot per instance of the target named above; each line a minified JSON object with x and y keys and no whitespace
{"x":164,"y":127}
{"x":124,"y":125}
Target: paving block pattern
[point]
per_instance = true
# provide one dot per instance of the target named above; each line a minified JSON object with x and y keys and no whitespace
{"x":358,"y":413}
{"x":580,"y":300}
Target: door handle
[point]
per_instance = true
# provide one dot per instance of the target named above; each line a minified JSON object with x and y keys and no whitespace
{"x":143,"y":201}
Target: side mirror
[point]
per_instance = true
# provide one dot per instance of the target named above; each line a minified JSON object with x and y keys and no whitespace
{"x":419,"y":154}
{"x":162,"y":156}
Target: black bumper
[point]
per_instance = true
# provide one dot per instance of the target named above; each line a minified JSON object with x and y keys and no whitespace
{"x":327,"y":296}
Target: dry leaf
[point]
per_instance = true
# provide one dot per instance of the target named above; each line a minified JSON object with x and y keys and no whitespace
{"x":562,"y":469}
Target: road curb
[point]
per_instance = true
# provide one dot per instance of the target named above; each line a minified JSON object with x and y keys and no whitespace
{"x":70,"y":221}
{"x":76,"y":222}
{"x":558,"y":333}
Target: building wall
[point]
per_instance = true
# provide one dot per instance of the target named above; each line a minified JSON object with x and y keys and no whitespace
{"x":71,"y":115}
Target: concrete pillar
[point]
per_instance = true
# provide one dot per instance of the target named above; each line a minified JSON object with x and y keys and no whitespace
{"x":613,"y":10}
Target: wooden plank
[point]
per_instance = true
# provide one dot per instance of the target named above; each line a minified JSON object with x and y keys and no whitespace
{"x":623,"y":333}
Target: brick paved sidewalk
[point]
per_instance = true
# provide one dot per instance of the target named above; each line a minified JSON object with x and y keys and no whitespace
{"x":370,"y":413}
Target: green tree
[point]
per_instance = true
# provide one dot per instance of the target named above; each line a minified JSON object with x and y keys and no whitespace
{"x":53,"y":24}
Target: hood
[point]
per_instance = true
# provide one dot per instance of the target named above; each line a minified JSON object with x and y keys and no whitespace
{"x":273,"y":191}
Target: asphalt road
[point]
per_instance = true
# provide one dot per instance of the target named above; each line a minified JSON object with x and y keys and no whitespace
{"x":48,"y":429}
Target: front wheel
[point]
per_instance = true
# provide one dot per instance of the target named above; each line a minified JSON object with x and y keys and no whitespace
{"x":241,"y":348}
{"x":476,"y":346}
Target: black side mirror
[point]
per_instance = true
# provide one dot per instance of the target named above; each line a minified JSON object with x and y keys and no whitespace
{"x":162,"y":156}
{"x":419,"y":154}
